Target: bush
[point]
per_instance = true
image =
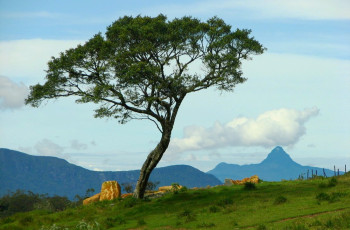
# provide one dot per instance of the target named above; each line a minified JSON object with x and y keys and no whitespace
{"x":333,"y":197}
{"x":141,"y":222}
{"x":261,"y":227}
{"x":128,"y":187}
{"x":187,"y":215}
{"x":59,"y":203}
{"x":332,"y":182}
{"x":111,"y":222}
{"x":205,"y":225}
{"x":249,"y":186}
{"x":21,"y":201}
{"x":175,"y":187}
{"x":225,"y":201}
{"x":152,"y":185}
{"x":26,"y":220}
{"x":130,"y":202}
{"x":214,"y":209}
{"x":323,"y":197}
{"x":280,"y":200}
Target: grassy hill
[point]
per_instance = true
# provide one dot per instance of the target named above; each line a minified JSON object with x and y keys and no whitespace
{"x":319,"y":203}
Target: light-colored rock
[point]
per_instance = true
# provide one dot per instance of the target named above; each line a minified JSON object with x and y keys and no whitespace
{"x":126,"y":195}
{"x":253,"y":179}
{"x":92,"y":199}
{"x":228,"y":182}
{"x":165,"y":188}
{"x":168,"y":188}
{"x":110,"y":190}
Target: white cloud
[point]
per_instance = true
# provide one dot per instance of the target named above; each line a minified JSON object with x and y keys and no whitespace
{"x":37,"y":14}
{"x":27,"y":59}
{"x":277,"y":127}
{"x":12,"y":94}
{"x":76,"y":145}
{"x":299,"y":9}
{"x":47,"y":147}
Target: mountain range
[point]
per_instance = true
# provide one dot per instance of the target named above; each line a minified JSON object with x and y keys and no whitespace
{"x":277,"y":165}
{"x":55,"y":176}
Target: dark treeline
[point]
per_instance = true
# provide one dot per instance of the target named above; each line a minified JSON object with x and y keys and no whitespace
{"x":25,"y":201}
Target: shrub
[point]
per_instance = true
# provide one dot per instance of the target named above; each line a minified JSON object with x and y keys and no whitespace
{"x":130,"y":202}
{"x":128,"y":187}
{"x":323,"y":197}
{"x":111,"y":222}
{"x":205,"y":225}
{"x":261,"y":227}
{"x":214,"y":209}
{"x":323,"y":185}
{"x":329,"y":224}
{"x":249,"y":186}
{"x":335,"y":196}
{"x":26,"y":220}
{"x":332,"y":182}
{"x":152,"y":185}
{"x":280,"y":200}
{"x":59,"y":203}
{"x":225,"y":201}
{"x":187,"y":215}
{"x":141,"y":222}
{"x":175,"y":187}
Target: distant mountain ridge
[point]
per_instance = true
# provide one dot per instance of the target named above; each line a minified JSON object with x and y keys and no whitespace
{"x":55,"y":176}
{"x":276,"y":166}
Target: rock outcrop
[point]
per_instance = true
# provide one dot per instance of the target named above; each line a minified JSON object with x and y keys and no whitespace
{"x":168,"y":188}
{"x":92,"y":199}
{"x":125,"y":195}
{"x":110,"y":190}
{"x":253,"y":179}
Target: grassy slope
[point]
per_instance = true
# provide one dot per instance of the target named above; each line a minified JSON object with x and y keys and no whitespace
{"x":216,"y":208}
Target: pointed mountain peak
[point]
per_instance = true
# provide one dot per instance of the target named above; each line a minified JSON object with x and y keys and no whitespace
{"x":279,"y":156}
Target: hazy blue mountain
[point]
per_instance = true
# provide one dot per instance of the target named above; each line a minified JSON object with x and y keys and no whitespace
{"x":52,"y":175}
{"x":278,"y":165}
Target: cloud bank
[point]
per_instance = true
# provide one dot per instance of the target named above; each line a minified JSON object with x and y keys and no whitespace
{"x":12,"y":95}
{"x":267,"y":9}
{"x":277,"y":127}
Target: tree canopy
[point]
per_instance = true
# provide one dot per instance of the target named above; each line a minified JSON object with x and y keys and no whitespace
{"x":143,"y":67}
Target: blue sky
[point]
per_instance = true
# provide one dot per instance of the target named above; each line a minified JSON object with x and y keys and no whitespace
{"x":296,"y":95}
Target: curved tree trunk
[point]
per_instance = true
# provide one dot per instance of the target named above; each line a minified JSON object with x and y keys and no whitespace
{"x":151,"y":162}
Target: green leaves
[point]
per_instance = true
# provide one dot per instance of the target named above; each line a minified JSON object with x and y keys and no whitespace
{"x":144,"y":66}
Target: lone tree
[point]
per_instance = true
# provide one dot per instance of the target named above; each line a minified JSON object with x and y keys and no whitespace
{"x":140,"y":69}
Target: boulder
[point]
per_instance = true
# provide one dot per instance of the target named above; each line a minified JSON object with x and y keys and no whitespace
{"x":92,"y":199}
{"x":167,"y":188}
{"x":126,"y":195}
{"x":253,"y":179}
{"x":110,"y":190}
{"x":228,"y":182}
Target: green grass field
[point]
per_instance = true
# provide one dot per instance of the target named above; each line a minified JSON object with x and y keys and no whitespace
{"x":320,"y":203}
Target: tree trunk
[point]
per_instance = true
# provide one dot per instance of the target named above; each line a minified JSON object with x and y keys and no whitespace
{"x":151,"y":162}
